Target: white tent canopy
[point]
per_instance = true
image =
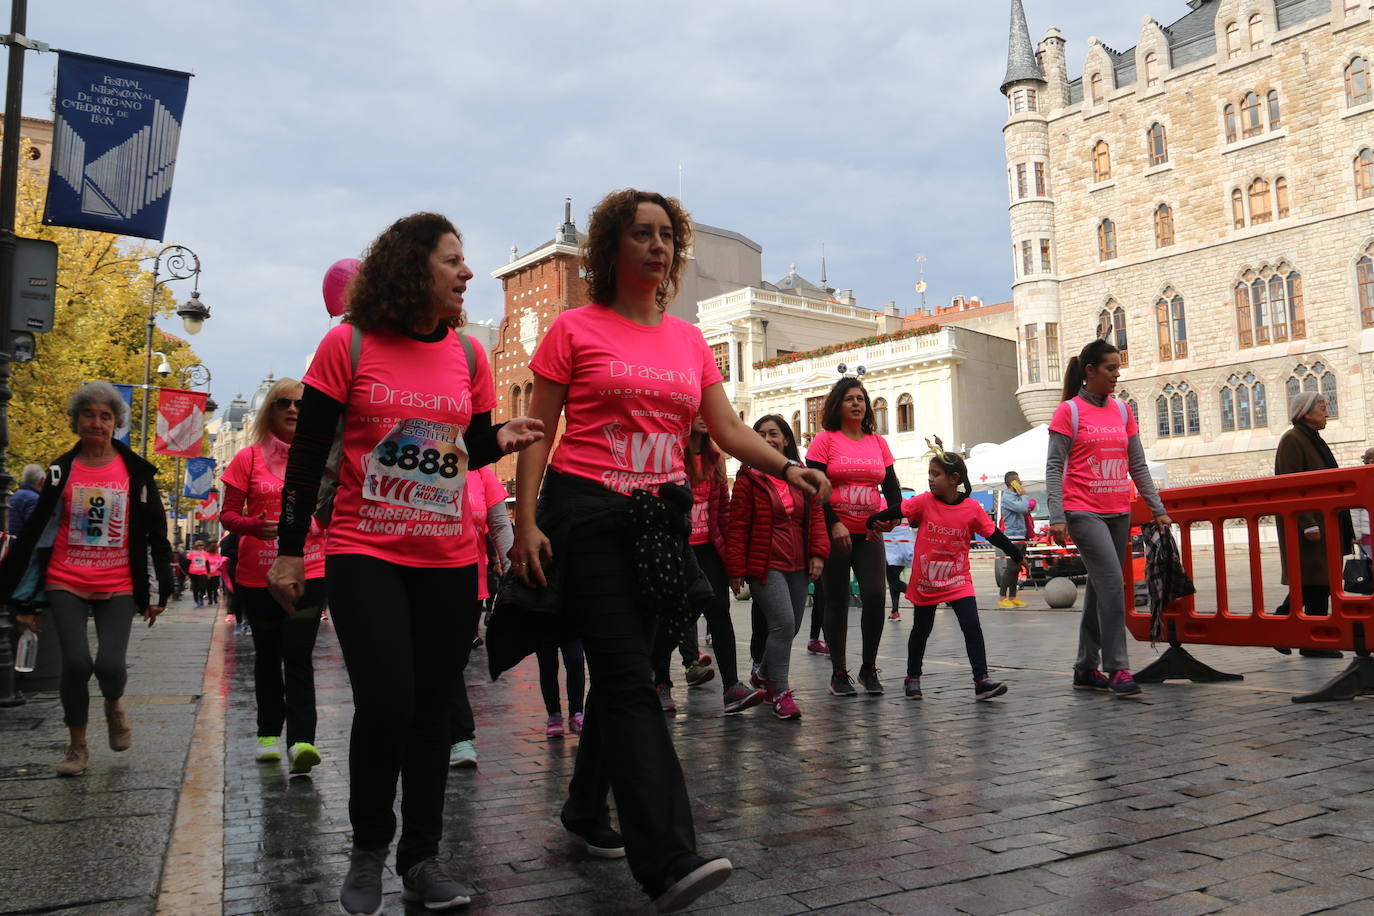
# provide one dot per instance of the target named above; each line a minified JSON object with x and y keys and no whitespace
{"x":1025,"y":454}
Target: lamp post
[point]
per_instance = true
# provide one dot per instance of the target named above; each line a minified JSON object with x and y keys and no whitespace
{"x":192,"y":376}
{"x":181,"y":263}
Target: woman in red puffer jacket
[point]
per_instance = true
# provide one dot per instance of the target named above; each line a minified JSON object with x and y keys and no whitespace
{"x":775,"y":538}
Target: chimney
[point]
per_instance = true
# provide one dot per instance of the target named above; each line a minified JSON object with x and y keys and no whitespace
{"x":957,"y":302}
{"x":891,"y":309}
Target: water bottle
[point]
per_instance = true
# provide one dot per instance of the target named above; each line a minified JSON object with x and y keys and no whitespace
{"x":26,"y":653}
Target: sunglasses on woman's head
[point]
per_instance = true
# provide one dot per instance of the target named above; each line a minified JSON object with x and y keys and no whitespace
{"x":284,"y":403}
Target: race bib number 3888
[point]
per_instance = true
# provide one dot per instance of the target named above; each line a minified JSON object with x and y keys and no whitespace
{"x":420,"y":464}
{"x":99,"y":517}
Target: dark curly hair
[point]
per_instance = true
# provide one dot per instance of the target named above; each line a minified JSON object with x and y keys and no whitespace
{"x":830,"y":413}
{"x":608,"y":219}
{"x":393,"y":290}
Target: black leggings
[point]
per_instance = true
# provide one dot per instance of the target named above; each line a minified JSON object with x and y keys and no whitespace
{"x":867,"y":559}
{"x":895,"y":585}
{"x":718,"y":623}
{"x":198,"y":586}
{"x":575,"y":662}
{"x":283,"y":673}
{"x":405,"y":633}
{"x":966,"y":609}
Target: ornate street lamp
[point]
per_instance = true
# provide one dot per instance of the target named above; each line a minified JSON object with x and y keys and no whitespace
{"x":181,"y":263}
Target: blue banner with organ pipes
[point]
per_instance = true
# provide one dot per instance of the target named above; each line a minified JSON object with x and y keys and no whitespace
{"x":115,"y":139}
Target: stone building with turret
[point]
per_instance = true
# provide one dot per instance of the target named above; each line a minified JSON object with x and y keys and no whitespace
{"x":1206,"y":201}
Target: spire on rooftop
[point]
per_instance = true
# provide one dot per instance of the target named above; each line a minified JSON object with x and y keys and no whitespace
{"x":1021,"y":61}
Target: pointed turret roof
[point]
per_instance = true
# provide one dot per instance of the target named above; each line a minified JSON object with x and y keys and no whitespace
{"x":1021,"y":61}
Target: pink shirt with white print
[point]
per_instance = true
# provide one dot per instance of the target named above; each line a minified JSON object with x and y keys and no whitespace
{"x":404,"y":460}
{"x":632,"y":393}
{"x":856,"y":471}
{"x":939,"y":569}
{"x":91,"y":552}
{"x":483,"y":491}
{"x":1097,"y":472}
{"x":257,"y":471}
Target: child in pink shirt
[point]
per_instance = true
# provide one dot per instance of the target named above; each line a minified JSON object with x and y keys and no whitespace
{"x":945,"y":519}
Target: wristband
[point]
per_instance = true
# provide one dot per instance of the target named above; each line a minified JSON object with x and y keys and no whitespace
{"x":782,"y":474}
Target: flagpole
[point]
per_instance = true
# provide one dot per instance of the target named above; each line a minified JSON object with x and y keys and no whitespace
{"x":9,"y":194}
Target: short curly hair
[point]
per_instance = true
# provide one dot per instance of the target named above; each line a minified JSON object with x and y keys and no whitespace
{"x":98,"y":393}
{"x":393,"y":290}
{"x":616,"y":211}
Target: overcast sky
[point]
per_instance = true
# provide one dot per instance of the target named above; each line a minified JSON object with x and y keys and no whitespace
{"x":871,"y":126}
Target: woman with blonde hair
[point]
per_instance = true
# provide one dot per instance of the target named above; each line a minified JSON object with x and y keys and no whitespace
{"x":283,"y":641}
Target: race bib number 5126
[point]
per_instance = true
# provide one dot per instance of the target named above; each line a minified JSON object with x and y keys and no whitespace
{"x":99,"y":517}
{"x":420,"y":464}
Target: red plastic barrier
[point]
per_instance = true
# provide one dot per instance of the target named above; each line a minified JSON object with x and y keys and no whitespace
{"x":1253,"y":623}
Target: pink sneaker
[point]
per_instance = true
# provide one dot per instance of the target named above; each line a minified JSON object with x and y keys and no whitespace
{"x":816,"y":647}
{"x":575,"y":723}
{"x":554,"y":728}
{"x":784,"y":707}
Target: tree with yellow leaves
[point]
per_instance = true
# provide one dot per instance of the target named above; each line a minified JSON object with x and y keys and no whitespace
{"x":99,"y":332}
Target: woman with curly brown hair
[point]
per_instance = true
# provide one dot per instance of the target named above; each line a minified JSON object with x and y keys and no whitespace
{"x":401,"y":573}
{"x":610,"y":529}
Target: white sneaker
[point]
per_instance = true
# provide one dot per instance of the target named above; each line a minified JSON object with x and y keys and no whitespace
{"x":267,"y":749}
{"x":463,"y":755}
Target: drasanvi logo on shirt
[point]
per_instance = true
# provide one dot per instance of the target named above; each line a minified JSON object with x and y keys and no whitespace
{"x":621,"y":369}
{"x":379,"y":393}
{"x":641,"y":452}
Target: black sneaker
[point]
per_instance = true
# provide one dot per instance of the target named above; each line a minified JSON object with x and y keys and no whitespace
{"x":842,"y":685}
{"x":696,"y":675}
{"x":361,"y":893}
{"x":600,"y":840}
{"x":987,"y":688}
{"x":1123,"y":685}
{"x":911,"y":688}
{"x":868,"y":677}
{"x":429,"y":884}
{"x":1090,"y":680}
{"x":701,"y":876}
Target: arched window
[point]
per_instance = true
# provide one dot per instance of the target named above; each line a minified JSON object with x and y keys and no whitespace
{"x":1151,"y":69}
{"x":1357,"y":82}
{"x":1364,"y":280}
{"x":1281,"y":197}
{"x":1104,"y":322}
{"x":1102,"y":161}
{"x":1232,"y":40}
{"x":1228,"y":115}
{"x":1158,"y":144}
{"x":1237,"y":208}
{"x":1176,"y":411}
{"x":1269,"y":306}
{"x":1096,"y":83}
{"x":1106,"y":240}
{"x":1256,"y":32}
{"x":1364,"y":174}
{"x":796,"y":424}
{"x":880,"y":415}
{"x":1114,"y":319}
{"x":1261,"y":210}
{"x":1164,"y":226}
{"x":906,"y":414}
{"x":1172,"y":326}
{"x":1316,"y":378}
{"x":1243,"y":403}
{"x":1275,"y":118}
{"x":1125,"y":397}
{"x":515,"y":401}
{"x":1252,"y":123}
{"x":529,"y":394}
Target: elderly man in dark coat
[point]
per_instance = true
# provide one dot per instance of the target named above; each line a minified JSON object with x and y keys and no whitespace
{"x":1300,"y":449}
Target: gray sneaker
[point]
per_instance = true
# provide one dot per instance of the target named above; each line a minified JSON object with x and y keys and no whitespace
{"x":429,"y":884}
{"x":361,"y":894}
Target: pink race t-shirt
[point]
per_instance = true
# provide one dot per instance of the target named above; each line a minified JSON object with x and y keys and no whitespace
{"x":1097,"y":473}
{"x":91,"y":550}
{"x":215,"y":563}
{"x":404,"y":459}
{"x":251,"y":472}
{"x":195,"y":562}
{"x":856,"y":471}
{"x":632,"y":393}
{"x":483,"y":491}
{"x":939,"y":569}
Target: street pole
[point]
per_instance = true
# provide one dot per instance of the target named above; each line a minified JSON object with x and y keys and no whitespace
{"x":9,"y":194}
{"x":148,"y":351}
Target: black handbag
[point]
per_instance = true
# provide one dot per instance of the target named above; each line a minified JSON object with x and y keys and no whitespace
{"x":1357,"y":575}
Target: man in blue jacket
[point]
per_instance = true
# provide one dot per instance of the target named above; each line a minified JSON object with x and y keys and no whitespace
{"x":26,"y":497}
{"x":1017,"y":526}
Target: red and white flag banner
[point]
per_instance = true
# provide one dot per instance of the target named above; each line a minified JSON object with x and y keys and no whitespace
{"x":208,"y":510}
{"x":180,"y":422}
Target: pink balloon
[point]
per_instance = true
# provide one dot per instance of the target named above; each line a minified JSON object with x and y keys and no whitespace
{"x":336,"y":280}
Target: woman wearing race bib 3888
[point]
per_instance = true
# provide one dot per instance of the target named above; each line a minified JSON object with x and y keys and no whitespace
{"x":401,"y":574}
{"x":1094,"y":446}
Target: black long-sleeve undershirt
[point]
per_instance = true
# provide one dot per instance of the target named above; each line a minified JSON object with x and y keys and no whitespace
{"x":316,"y":426}
{"x":892,"y":492}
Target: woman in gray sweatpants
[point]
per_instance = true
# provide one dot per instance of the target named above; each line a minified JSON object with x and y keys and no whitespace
{"x":775,"y":537}
{"x":1094,"y":445}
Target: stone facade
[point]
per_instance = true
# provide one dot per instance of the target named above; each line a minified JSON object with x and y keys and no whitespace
{"x":1255,"y":157}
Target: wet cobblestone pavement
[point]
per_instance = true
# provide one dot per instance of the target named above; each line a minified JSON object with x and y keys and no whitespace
{"x":1194,"y":799}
